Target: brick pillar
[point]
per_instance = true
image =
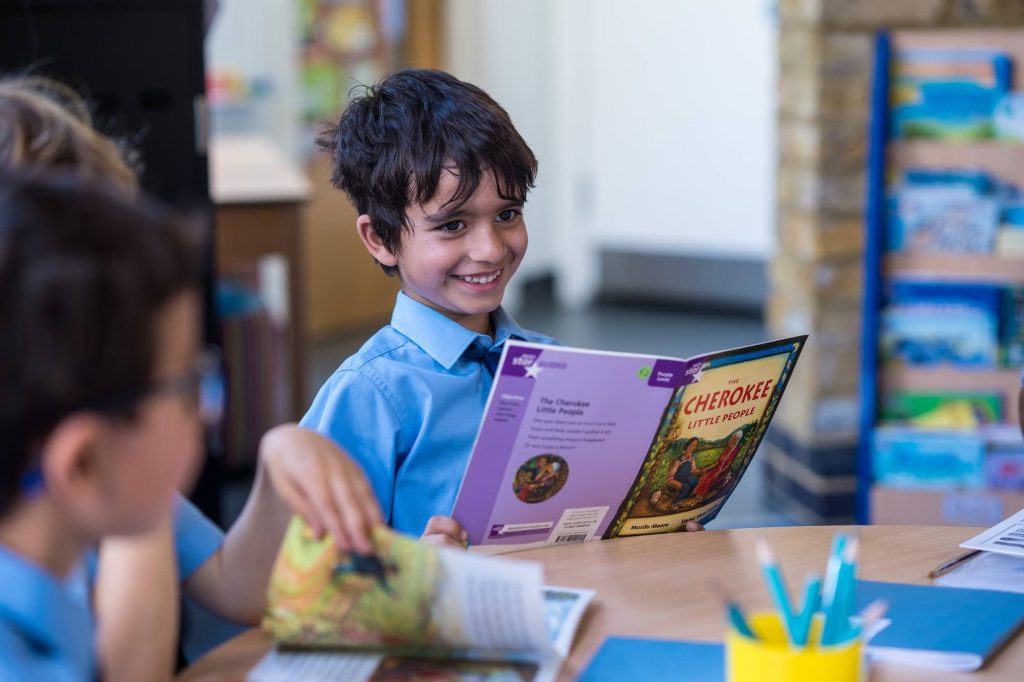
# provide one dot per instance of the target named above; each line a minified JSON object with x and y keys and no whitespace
{"x":825,"y":60}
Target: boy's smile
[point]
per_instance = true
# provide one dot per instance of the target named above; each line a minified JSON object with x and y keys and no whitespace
{"x":458,"y":259}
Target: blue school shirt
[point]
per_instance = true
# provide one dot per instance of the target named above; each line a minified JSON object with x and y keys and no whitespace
{"x":196,"y":538}
{"x":46,"y":631}
{"x":408,"y":404}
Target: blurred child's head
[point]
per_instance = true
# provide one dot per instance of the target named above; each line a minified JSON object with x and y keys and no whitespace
{"x":439,"y":176}
{"x":46,"y":125}
{"x":99,"y":332}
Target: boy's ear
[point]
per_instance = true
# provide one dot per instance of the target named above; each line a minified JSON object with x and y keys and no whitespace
{"x":373,"y":243}
{"x":74,"y":468}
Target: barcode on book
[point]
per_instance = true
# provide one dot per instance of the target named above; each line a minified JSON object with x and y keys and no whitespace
{"x":577,"y":524}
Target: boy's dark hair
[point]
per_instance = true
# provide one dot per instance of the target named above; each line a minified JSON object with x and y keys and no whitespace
{"x":84,"y":273}
{"x":392,"y":143}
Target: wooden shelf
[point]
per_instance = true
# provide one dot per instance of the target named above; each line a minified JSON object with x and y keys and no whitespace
{"x":947,"y":378}
{"x":955,"y":267}
{"x":983,"y":507}
{"x":1004,"y":160}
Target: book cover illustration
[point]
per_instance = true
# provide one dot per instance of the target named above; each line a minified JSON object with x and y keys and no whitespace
{"x":412,"y":611}
{"x":577,"y":445}
{"x":949,"y":94}
{"x":322,"y":597}
{"x":705,"y":441}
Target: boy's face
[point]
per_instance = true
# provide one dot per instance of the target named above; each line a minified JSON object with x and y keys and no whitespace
{"x":459,"y":259}
{"x":159,"y":451}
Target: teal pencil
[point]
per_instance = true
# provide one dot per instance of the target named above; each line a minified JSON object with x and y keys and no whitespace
{"x":812,"y":601}
{"x":776,"y":587}
{"x":837,"y":616}
{"x":835,"y":558}
{"x":733,"y":610}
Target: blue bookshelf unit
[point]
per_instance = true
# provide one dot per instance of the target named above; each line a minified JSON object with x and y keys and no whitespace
{"x":943,"y":308}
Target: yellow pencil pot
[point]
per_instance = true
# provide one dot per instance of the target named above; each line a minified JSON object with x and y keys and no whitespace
{"x":771,"y":658}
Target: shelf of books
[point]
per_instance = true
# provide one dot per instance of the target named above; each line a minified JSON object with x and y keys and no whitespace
{"x":943,"y":333}
{"x":255,"y":334}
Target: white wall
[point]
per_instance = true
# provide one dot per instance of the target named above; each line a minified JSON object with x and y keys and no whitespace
{"x":654,"y":122}
{"x":503,"y":47}
{"x":259,"y":39}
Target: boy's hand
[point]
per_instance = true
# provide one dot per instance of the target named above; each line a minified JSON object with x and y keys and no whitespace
{"x":321,"y":483}
{"x":445,"y":531}
{"x":693,"y":527}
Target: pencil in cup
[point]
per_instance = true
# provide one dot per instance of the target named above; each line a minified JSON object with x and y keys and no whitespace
{"x":837,"y":626}
{"x":776,"y":587}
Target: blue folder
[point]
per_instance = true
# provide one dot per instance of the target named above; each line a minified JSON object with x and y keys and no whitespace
{"x":625,"y":658}
{"x":941,"y":627}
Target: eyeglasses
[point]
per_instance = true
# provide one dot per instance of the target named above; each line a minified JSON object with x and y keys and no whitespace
{"x":201,"y":386}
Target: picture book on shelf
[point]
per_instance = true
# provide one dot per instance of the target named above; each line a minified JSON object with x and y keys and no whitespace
{"x":577,"y":445}
{"x":412,"y":609}
{"x":927,"y":323}
{"x":948,"y":211}
{"x":949,"y":94}
{"x":945,"y":410}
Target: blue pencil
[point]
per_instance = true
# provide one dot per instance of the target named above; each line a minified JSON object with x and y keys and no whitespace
{"x":835,"y":558}
{"x":776,"y":587}
{"x":733,"y":610}
{"x":837,"y":616}
{"x":812,"y":601}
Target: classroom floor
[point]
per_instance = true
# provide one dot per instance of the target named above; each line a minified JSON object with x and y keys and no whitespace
{"x":638,"y":328}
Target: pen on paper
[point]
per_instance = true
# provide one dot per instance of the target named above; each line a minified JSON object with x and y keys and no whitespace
{"x":947,"y":566}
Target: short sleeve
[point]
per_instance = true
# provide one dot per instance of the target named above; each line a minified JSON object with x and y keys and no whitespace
{"x":353,"y":410}
{"x":196,"y":538}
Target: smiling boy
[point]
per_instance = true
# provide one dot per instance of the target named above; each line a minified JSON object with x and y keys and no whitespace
{"x":439,"y":176}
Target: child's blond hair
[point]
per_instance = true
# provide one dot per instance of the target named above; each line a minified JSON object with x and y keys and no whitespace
{"x":46,"y":125}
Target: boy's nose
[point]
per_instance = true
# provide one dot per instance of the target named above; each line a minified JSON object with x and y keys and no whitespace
{"x":486,"y":245}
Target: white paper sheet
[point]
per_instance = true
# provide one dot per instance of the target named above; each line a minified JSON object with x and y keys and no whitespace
{"x":1004,"y":538}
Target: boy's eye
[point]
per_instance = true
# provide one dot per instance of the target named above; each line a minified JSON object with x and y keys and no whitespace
{"x":451,"y":226}
{"x":507,"y":215}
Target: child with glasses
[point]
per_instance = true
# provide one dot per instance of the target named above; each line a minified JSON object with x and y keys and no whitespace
{"x":98,"y":299}
{"x":45,"y":126}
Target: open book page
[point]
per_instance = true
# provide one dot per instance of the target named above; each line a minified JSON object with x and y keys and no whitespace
{"x":577,"y":445}
{"x":1006,"y":537}
{"x":408,"y":596}
{"x":288,"y":666}
{"x":563,"y":609}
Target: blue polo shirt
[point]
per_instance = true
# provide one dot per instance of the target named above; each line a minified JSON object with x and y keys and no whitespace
{"x":46,"y":631}
{"x":408,"y":404}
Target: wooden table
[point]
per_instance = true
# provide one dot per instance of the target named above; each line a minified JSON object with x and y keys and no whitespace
{"x":654,"y":586}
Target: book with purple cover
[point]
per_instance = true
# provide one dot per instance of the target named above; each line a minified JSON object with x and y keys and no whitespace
{"x":577,"y":445}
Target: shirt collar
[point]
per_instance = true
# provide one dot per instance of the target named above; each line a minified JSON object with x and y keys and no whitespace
{"x":45,"y":611}
{"x":444,"y":339}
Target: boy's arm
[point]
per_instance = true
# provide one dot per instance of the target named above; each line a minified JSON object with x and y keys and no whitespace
{"x":299,"y":472}
{"x":136,"y":603}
